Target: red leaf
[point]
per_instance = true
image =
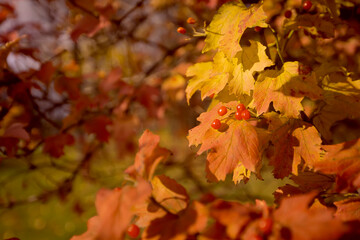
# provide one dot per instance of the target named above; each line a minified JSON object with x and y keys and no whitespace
{"x":150,"y":98}
{"x":46,"y":72}
{"x":16,"y":130}
{"x":148,"y":156}
{"x":112,"y":81}
{"x":70,"y":85}
{"x":97,"y":125}
{"x":86,"y":25}
{"x":10,"y":144}
{"x":54,"y":145}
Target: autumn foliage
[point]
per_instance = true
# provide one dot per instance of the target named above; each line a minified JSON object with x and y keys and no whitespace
{"x":275,"y":87}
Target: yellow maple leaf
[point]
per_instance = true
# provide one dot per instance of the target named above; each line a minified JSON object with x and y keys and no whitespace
{"x":229,"y":24}
{"x":209,"y":77}
{"x":285,"y":89}
{"x":251,"y":59}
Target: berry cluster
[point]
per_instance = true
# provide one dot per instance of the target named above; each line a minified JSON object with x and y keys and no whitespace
{"x":182,"y":30}
{"x":241,"y":114}
{"x":307,"y":5}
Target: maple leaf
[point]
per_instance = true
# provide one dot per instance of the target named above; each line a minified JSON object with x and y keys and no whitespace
{"x":16,"y":130}
{"x":314,"y":24}
{"x":293,"y":141}
{"x":70,"y":85}
{"x":234,"y":216}
{"x":97,"y":125}
{"x":209,"y":77}
{"x":283,"y":144}
{"x":343,"y":160}
{"x":150,"y":154}
{"x":150,"y":97}
{"x":285,"y":89}
{"x":342,"y":100}
{"x":54,"y":145}
{"x":46,"y":73}
{"x":189,"y":222}
{"x":238,"y":143}
{"x":112,"y":81}
{"x":250,"y":60}
{"x":348,"y":209}
{"x":229,"y":24}
{"x":304,"y":223}
{"x":169,"y":194}
{"x":115,"y":210}
{"x":89,"y":25}
{"x":309,"y":148}
{"x":306,"y":181}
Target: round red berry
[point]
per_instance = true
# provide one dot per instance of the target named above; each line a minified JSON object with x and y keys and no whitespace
{"x":222,"y":111}
{"x":216,"y":124}
{"x":245,"y":114}
{"x":133,"y":231}
{"x":240,"y":107}
{"x":257,"y":29}
{"x":307,"y":5}
{"x":265,"y":225}
{"x":288,"y":14}
{"x":238,"y":115}
{"x":181,"y":30}
{"x":191,"y":20}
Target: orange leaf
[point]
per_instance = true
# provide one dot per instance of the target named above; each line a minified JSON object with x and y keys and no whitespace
{"x":236,"y":142}
{"x":148,"y":156}
{"x":169,"y":194}
{"x":305,"y":223}
{"x":115,"y":210}
{"x":348,"y":209}
{"x":343,"y":160}
{"x":191,"y":221}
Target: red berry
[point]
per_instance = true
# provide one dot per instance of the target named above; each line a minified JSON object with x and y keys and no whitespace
{"x":257,"y":29}
{"x":288,"y":14}
{"x":133,"y":231}
{"x":307,"y":5}
{"x":265,"y":225}
{"x":222,"y":111}
{"x":181,"y":30}
{"x":191,"y":20}
{"x":238,"y":115}
{"x":216,"y":124}
{"x":240,"y":107}
{"x":245,"y":114}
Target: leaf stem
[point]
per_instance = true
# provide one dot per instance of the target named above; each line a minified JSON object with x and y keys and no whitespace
{"x":277,"y":44}
{"x":291,"y":33}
